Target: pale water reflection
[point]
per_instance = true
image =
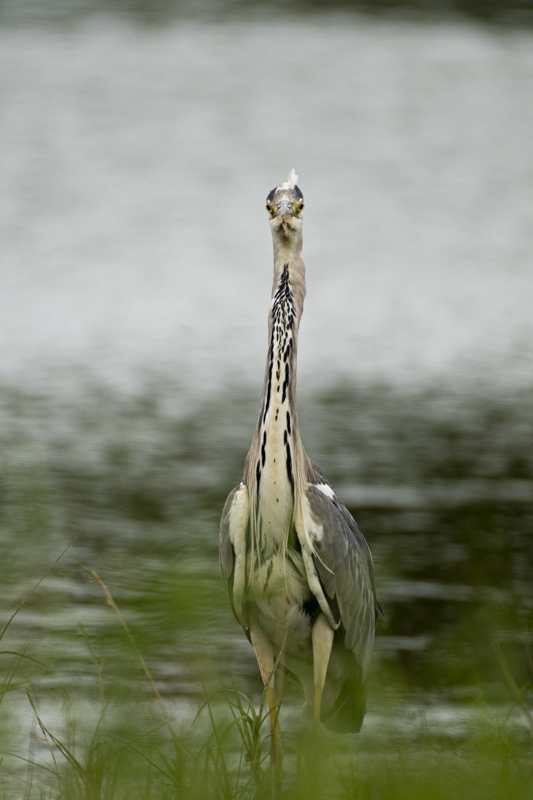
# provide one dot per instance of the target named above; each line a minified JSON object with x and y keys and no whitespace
{"x":135,"y":162}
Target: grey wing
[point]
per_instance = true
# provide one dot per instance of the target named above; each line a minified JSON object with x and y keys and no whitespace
{"x":232,"y":548}
{"x":344,"y":565}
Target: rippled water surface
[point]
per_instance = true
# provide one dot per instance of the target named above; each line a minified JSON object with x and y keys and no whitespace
{"x":134,"y":288}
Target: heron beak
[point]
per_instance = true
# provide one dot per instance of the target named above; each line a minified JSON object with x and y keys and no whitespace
{"x":285,"y":210}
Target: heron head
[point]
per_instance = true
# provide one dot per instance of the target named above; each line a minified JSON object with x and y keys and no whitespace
{"x":285,"y":205}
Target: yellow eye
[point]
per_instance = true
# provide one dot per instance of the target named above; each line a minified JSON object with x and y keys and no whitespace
{"x":270,"y":208}
{"x":300,"y":207}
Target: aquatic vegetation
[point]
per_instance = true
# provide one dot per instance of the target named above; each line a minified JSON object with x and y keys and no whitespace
{"x":123,"y":672}
{"x":138,"y":749}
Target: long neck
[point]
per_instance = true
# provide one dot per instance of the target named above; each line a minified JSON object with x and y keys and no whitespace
{"x":276,"y":454}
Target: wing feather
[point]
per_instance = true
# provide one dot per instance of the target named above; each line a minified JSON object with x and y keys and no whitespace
{"x":344,"y":565}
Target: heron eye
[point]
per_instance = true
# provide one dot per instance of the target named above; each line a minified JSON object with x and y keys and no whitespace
{"x":300,"y":207}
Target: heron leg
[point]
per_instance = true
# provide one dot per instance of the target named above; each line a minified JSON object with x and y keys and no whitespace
{"x":264,"y":652}
{"x":322,"y":637}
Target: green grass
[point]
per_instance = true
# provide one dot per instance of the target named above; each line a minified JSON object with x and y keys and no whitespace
{"x":113,"y":748}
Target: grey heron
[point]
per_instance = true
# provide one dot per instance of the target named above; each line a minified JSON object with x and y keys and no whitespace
{"x":297,"y":569}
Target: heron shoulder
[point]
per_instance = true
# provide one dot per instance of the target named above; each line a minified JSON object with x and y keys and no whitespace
{"x":232,"y":547}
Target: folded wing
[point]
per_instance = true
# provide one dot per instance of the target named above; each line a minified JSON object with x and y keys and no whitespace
{"x":344,"y":566}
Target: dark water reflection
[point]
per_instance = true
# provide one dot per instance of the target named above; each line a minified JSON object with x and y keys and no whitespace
{"x":440,"y":482}
{"x":507,"y":11}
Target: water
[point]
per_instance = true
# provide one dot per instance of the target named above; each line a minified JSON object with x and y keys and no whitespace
{"x":439,"y":483}
{"x":134,"y":288}
{"x":135,"y":162}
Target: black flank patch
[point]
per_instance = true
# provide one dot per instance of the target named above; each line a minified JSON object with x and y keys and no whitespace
{"x":310,"y":607}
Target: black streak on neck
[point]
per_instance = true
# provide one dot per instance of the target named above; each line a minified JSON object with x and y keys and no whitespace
{"x":282,"y":328}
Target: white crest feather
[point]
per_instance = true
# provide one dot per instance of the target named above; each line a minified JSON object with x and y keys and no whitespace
{"x":291,"y":181}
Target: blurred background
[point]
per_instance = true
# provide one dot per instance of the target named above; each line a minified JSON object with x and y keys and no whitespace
{"x":138,"y":141}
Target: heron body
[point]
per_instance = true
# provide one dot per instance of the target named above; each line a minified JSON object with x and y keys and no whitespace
{"x":297,"y":569}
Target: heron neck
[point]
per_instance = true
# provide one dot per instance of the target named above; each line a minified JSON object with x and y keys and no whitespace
{"x":288,"y":260}
{"x":288,"y":294}
{"x":276,"y":450}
